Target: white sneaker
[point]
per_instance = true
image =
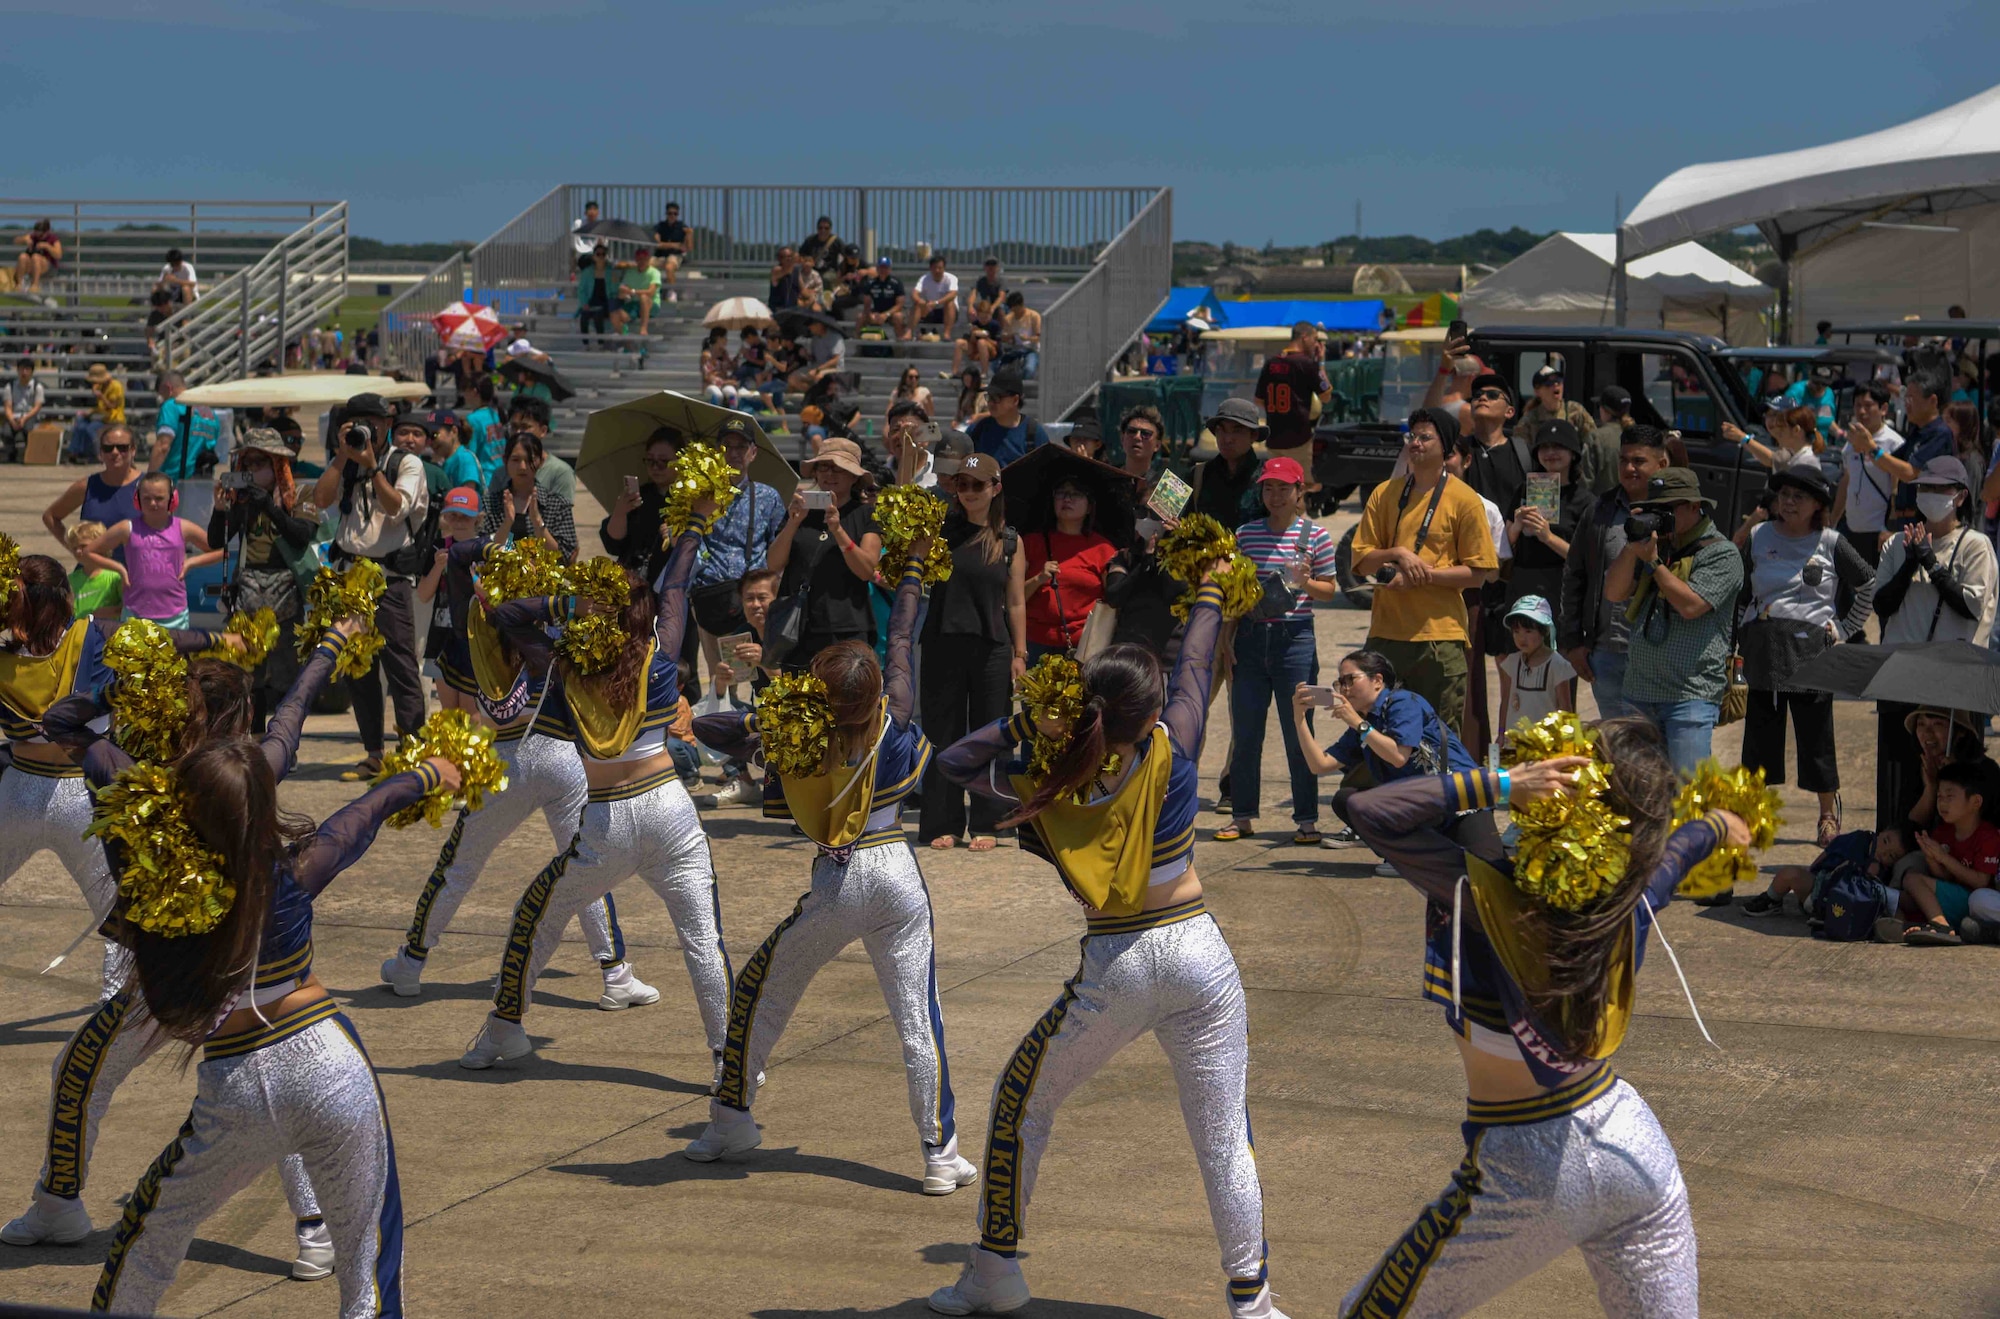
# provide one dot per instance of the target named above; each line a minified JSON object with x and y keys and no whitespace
{"x":720,"y":1138}
{"x":736,"y":792}
{"x":1259,"y":1306}
{"x":623,"y":989}
{"x":947,"y":1175}
{"x":50,"y":1221}
{"x":315,"y":1259}
{"x":403,"y":974}
{"x":497,"y":1041}
{"x":1002,"y":1291}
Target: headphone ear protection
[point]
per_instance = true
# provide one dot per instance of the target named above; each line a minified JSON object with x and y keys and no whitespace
{"x":174,"y":500}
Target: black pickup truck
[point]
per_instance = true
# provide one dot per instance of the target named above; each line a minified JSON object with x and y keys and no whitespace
{"x":1678,"y":381}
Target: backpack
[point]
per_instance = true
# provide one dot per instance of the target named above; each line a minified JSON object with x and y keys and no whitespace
{"x":414,"y":559}
{"x":1849,"y":902}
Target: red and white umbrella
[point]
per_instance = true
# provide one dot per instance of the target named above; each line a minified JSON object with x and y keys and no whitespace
{"x":469,"y":326}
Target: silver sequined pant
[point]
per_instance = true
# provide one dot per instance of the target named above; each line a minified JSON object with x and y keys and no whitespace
{"x":1179,"y":982}
{"x":311,"y":1092}
{"x":107,"y":1048}
{"x":879,"y":898}
{"x":655,"y":835}
{"x":38,"y":813}
{"x":541,"y":772}
{"x":1602,"y":1178}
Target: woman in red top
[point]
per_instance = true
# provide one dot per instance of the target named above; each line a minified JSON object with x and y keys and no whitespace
{"x":1045,"y":610}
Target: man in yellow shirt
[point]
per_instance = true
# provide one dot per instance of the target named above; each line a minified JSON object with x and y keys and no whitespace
{"x":109,"y":409}
{"x":1426,"y":541}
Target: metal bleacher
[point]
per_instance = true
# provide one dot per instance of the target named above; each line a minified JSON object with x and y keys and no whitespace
{"x":94,"y":308}
{"x":1095,"y":261}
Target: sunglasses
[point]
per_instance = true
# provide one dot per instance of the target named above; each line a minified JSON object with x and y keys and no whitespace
{"x":1489,"y":394}
{"x":1347,"y":680}
{"x":965,"y":483}
{"x":1141,"y":432}
{"x":114,"y":448}
{"x":659,"y":462}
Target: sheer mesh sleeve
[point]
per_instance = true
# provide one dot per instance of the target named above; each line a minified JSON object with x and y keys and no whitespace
{"x":288,"y":721}
{"x":1687,"y":847}
{"x":523,"y":622}
{"x":1404,"y":823}
{"x":727,"y":734}
{"x":188,"y":640}
{"x":351,"y":830}
{"x":977,"y":761}
{"x":67,"y":725}
{"x":670,"y":623}
{"x":1187,"y":697}
{"x":899,"y":681}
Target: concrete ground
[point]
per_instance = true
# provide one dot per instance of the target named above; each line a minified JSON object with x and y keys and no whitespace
{"x":1838,"y":1146}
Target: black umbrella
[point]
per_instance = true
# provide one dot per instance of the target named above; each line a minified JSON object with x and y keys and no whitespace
{"x":622,"y":231}
{"x":1956,"y":675}
{"x":522,"y":369}
{"x":794,"y":320}
{"x":1028,"y":483}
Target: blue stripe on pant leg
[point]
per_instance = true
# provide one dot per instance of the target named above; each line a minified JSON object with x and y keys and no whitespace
{"x":144,"y":1197}
{"x":69,"y":1106}
{"x":617,"y":935}
{"x":509,"y":997}
{"x":389,"y":1227}
{"x":1391,"y":1289}
{"x":746,"y":989}
{"x":947,"y":1125}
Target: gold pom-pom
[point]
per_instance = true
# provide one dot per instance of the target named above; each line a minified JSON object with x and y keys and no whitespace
{"x":337,"y":595}
{"x":1741,"y":792}
{"x":522,"y":569}
{"x":591,"y":642}
{"x":1572,"y":846}
{"x":1051,"y":690}
{"x":1193,"y":547}
{"x":451,"y":735}
{"x":10,"y":568}
{"x":149,"y":700}
{"x":173,"y":885}
{"x":904,"y":515}
{"x":795,"y":725}
{"x":700,"y":472}
{"x":259,"y":631}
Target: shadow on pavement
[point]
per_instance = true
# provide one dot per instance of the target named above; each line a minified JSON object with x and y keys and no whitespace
{"x":18,"y":1032}
{"x":89,"y":1253}
{"x":915,"y":1308}
{"x":536,"y":1068}
{"x":673,"y":1167}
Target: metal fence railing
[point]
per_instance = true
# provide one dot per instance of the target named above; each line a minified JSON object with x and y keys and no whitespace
{"x":1094,"y":321}
{"x":737,"y":229}
{"x":116,"y":248}
{"x":249,"y":317}
{"x":407,"y":336}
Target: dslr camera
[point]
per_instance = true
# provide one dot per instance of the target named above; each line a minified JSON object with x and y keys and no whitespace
{"x":1644,"y":524}
{"x":357,"y":436}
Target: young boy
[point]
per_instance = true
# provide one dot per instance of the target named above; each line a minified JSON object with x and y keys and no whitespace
{"x":1875,"y":854}
{"x":98,"y":592}
{"x":1961,"y":856}
{"x":758,"y":591}
{"x":1534,"y":680}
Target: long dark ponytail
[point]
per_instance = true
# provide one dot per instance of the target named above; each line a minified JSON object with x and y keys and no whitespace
{"x":1581,"y":944}
{"x":1121,"y":700}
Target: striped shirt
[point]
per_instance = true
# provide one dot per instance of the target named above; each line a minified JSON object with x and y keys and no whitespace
{"x":1274,"y":551}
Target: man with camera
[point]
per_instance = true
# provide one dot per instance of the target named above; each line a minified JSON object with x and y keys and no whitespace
{"x":381,"y":494}
{"x":1678,"y":578}
{"x":1592,"y":632}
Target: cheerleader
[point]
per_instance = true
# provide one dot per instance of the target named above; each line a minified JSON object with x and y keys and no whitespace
{"x":638,"y":818}
{"x":49,"y":653}
{"x":114,"y":1040}
{"x":282,"y":1071}
{"x":1559,"y":1151}
{"x":1115,"y":813}
{"x":865,"y":885}
{"x":482,"y":675}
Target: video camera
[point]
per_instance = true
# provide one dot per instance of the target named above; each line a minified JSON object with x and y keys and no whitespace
{"x":1644,"y":524}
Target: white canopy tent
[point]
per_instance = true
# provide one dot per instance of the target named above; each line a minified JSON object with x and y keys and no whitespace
{"x":1905,"y":221}
{"x":1569,"y":279}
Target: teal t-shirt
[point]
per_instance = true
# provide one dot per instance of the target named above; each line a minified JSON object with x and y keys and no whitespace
{"x":203,"y":430}
{"x":487,"y":439}
{"x":461,"y":468}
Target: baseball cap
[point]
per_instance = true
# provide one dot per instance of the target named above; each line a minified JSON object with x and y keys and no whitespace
{"x":1005,"y":382}
{"x":1615,"y":397}
{"x":444,"y":417}
{"x":368,"y":405}
{"x":1493,"y":380}
{"x":1557,"y":431}
{"x":882,"y":263}
{"x":1547,"y":372}
{"x":1282,"y":469}
{"x":734,"y":427}
{"x":982,"y":465}
{"x":464,"y":499}
{"x":1943,"y":471}
{"x":415,"y":420}
{"x":1676,"y":485}
{"x":1242,"y":411}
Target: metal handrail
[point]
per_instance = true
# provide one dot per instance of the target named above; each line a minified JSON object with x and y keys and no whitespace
{"x":736,"y":229}
{"x":114,"y":246}
{"x":250,"y":317}
{"x":1091,"y":324}
{"x":407,"y":336}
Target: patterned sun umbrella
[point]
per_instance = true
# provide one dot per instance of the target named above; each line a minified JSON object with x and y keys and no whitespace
{"x":469,"y":326}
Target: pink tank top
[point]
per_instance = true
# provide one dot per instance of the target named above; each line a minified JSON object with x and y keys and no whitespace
{"x":154,"y":559}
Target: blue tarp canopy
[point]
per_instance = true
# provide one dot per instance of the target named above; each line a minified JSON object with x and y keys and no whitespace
{"x":1182,"y":303}
{"x":1361,"y":314}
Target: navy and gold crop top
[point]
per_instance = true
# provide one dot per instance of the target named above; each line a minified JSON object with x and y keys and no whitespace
{"x":473,"y":661}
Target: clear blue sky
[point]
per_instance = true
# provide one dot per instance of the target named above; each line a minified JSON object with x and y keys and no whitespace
{"x":439,"y":119}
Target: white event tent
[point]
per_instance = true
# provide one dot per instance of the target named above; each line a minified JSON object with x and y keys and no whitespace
{"x":1568,"y":279}
{"x":1898,"y":223}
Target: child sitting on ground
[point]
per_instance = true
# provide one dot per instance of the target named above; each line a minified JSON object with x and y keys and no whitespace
{"x":1961,"y":856}
{"x":1795,"y":889}
{"x":742,"y":661}
{"x":157,"y":561}
{"x":98,"y":592}
{"x":1534,"y":681}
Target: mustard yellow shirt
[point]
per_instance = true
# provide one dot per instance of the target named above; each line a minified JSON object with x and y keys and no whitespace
{"x":1458,"y":538}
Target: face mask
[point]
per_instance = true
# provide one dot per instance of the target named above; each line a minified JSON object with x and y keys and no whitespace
{"x":1936,"y":508}
{"x":267,"y":477}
